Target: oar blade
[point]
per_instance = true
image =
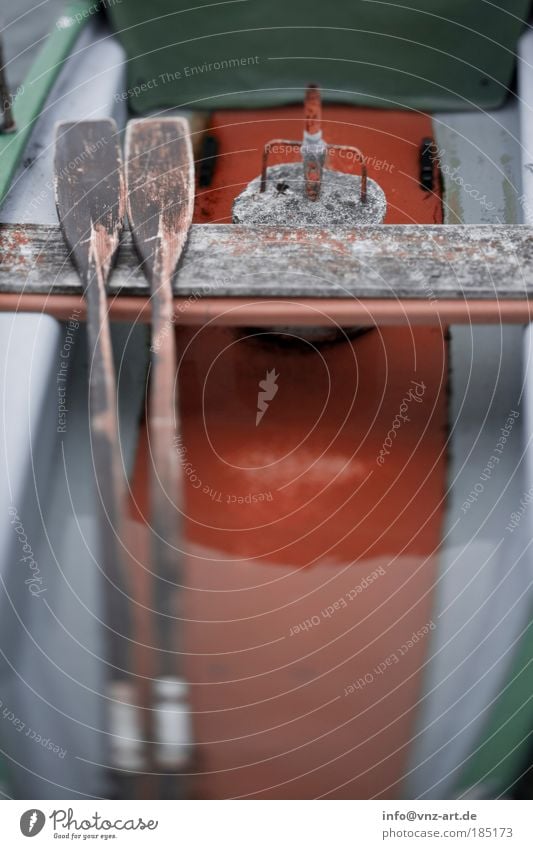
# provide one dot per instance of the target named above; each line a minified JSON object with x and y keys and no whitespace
{"x":160,"y":183}
{"x":90,"y":191}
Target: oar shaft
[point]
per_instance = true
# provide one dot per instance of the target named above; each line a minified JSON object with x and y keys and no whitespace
{"x":166,"y":484}
{"x":105,"y":449}
{"x":160,"y":178}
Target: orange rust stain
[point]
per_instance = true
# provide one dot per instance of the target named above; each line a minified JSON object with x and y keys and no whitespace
{"x":10,"y":248}
{"x":19,"y":238}
{"x":295,"y":520}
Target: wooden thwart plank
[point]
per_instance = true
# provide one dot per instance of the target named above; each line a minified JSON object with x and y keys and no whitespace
{"x":430,"y":262}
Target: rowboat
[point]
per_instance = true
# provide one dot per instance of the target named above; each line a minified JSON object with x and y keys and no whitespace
{"x":349,"y":473}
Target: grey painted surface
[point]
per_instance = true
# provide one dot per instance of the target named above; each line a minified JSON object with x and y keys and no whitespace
{"x":480,"y":603}
{"x":479,"y":154}
{"x":25,"y":24}
{"x":482,"y":596}
{"x":51,"y":675}
{"x":35,"y":665}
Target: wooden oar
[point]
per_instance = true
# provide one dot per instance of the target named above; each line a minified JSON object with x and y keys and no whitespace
{"x":91,"y":199}
{"x":160,"y":181}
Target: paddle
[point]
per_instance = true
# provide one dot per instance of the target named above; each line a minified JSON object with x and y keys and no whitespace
{"x":160,"y":181}
{"x":90,"y":198}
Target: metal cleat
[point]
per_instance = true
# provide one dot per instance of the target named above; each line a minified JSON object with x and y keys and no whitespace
{"x":311,"y":192}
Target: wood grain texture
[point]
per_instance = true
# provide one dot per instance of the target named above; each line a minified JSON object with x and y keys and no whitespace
{"x":90,"y":196}
{"x":229,"y":260}
{"x":160,"y":182}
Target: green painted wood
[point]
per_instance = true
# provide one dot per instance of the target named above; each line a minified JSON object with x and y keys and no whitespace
{"x":422,"y":54}
{"x":499,"y":756}
{"x":33,"y":93}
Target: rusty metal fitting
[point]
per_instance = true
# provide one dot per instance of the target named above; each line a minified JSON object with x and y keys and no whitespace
{"x":314,"y":151}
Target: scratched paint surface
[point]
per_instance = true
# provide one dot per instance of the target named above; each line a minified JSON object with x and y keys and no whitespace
{"x":314,"y":519}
